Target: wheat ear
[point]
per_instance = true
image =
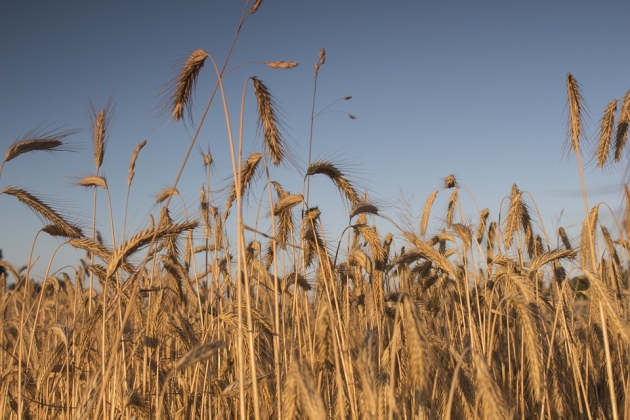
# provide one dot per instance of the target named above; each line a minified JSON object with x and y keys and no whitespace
{"x":181,"y":100}
{"x":100,"y":127}
{"x":283,"y":210}
{"x":166,"y":193}
{"x":427,"y":212}
{"x":93,"y":181}
{"x":606,"y":128}
{"x":144,"y":238}
{"x":247,"y":175}
{"x":518,"y":216}
{"x":574,"y":99}
{"x":450,"y":212}
{"x":415,"y":342}
{"x":587,"y":241}
{"x":483,"y":221}
{"x":36,"y":140}
{"x":269,"y":122}
{"x":132,"y":163}
{"x":45,"y":211}
{"x":283,"y":65}
{"x":621,"y":133}
{"x":488,"y":392}
{"x":255,"y":7}
{"x":337,"y":177}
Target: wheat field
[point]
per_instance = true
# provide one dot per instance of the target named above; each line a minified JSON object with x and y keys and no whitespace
{"x":214,"y":316}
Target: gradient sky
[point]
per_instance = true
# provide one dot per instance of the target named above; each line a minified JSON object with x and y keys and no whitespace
{"x":476,"y":89}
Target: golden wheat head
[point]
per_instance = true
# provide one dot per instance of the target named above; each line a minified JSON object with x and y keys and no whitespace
{"x":181,"y":101}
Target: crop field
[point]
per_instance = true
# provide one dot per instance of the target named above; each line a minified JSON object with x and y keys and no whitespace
{"x":215,"y":313}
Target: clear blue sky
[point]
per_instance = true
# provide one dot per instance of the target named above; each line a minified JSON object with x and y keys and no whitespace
{"x":471,"y":88}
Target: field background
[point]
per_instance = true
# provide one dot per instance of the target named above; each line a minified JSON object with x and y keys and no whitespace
{"x":394,"y":226}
